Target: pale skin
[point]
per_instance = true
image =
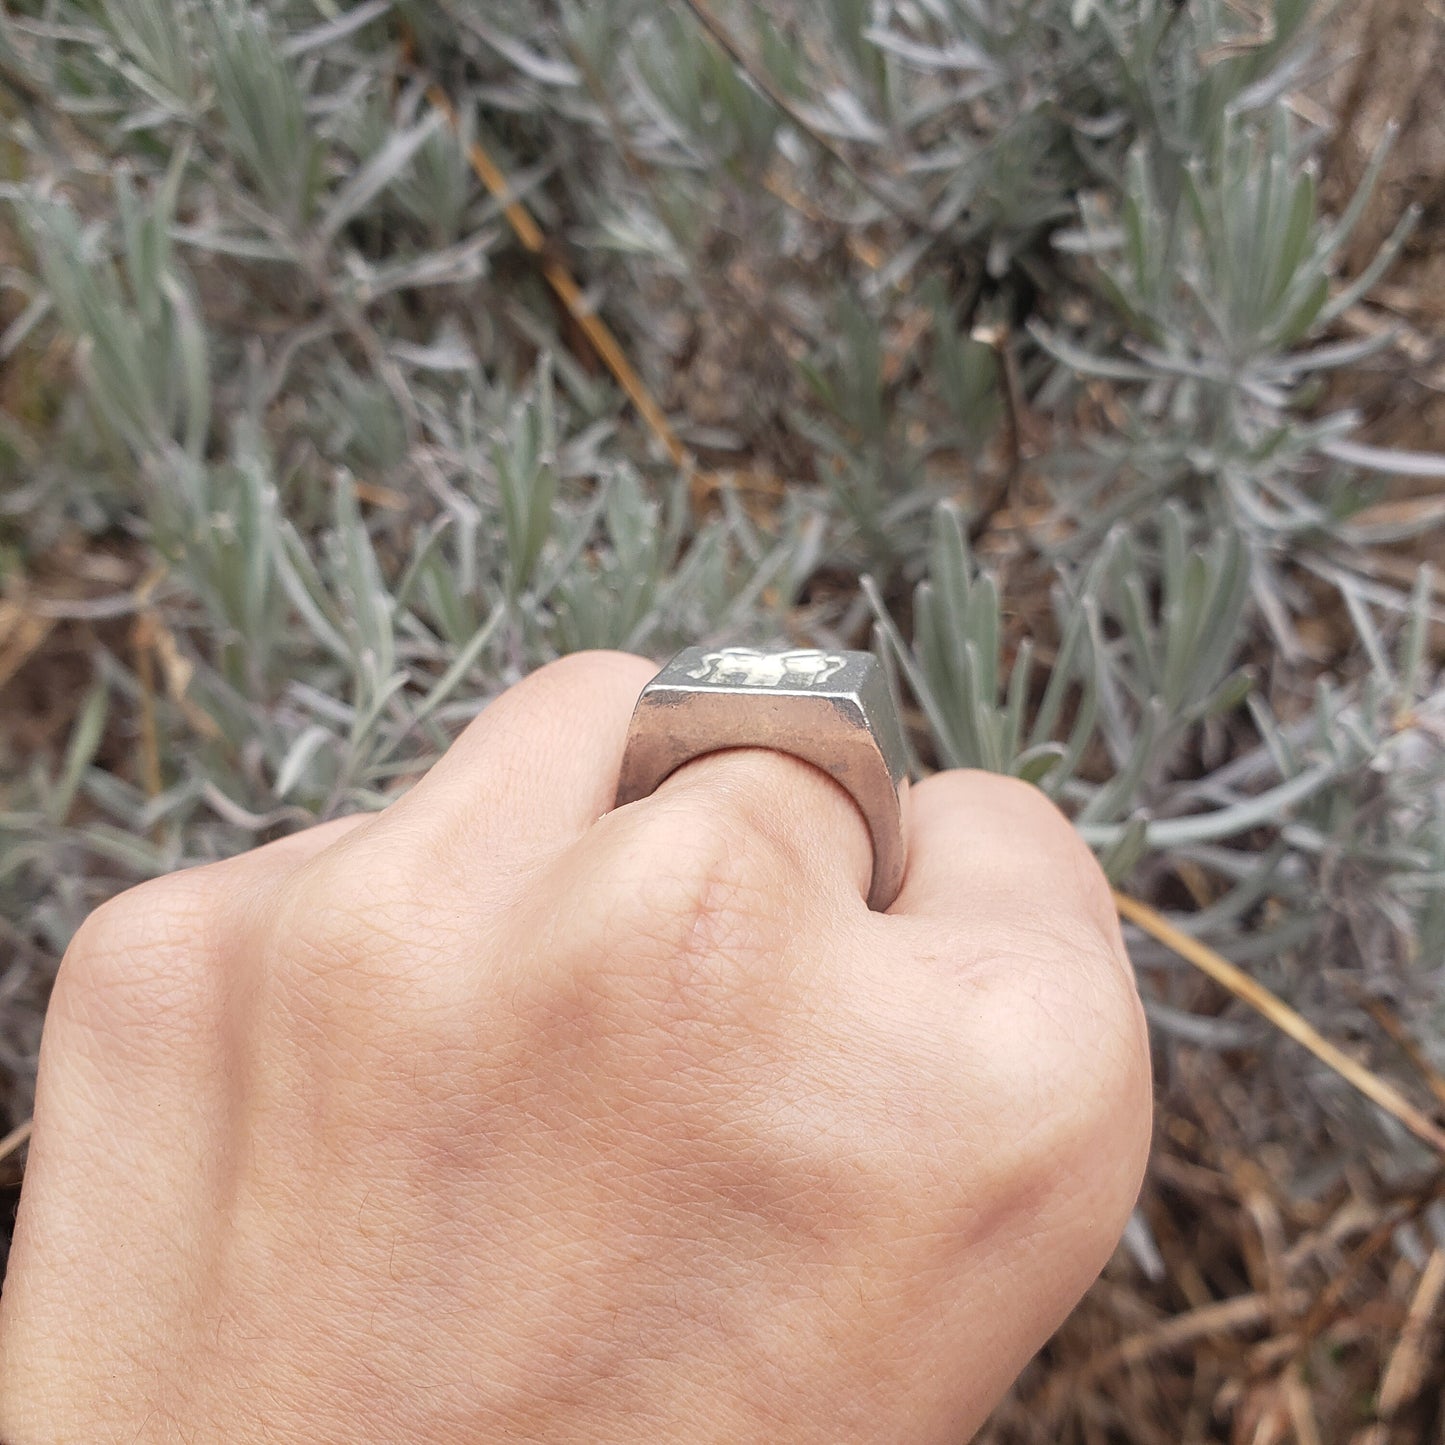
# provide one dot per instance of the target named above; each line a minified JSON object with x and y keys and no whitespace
{"x":499,"y":1116}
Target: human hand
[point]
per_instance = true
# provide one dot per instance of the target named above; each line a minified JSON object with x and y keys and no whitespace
{"x":492,"y":1118}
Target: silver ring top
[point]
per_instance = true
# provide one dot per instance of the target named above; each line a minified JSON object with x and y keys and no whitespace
{"x":831,"y":709}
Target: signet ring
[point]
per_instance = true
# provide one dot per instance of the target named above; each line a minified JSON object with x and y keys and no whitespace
{"x":831,"y":709}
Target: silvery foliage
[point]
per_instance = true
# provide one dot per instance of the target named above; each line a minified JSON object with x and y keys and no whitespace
{"x":320,"y":389}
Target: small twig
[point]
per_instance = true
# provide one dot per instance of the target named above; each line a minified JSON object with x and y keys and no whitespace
{"x":1284,"y":1018}
{"x":1224,"y":1317}
{"x":1329,"y":1303}
{"x":1409,"y":1361}
{"x":19,"y":82}
{"x":1407,"y":1045}
{"x":83,"y":609}
{"x":1004,"y":492}
{"x":143,"y":639}
{"x":735,"y":52}
{"x":1298,"y":1406}
{"x":15,"y":1139}
{"x":23,"y":631}
{"x":529,"y":233}
{"x":858,"y":246}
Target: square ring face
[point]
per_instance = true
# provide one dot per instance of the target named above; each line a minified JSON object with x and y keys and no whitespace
{"x":853,"y":682}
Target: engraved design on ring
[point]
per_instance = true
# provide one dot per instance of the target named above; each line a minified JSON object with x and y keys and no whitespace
{"x":750,"y":668}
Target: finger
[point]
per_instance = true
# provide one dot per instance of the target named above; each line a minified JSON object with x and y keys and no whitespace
{"x":540,"y":764}
{"x":143,"y":1009}
{"x":981,"y":845}
{"x":237,"y":893}
{"x":726,"y":891}
{"x":793,"y":812}
{"x":197,"y":913}
{"x":1035,"y":1042}
{"x":1006,"y":898}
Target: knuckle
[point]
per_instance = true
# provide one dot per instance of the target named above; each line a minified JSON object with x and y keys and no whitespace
{"x":352,"y":951}
{"x":1038,"y":852}
{"x":1003,"y":795}
{"x":118,"y":924}
{"x":679,"y":912}
{"x":1031,"y":802}
{"x":694,"y":894}
{"x":1088,"y":884}
{"x":354,"y":906}
{"x":322,"y":922}
{"x":582,"y":669}
{"x":139,"y":967}
{"x":150,"y":923}
{"x":1063,"y":1051}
